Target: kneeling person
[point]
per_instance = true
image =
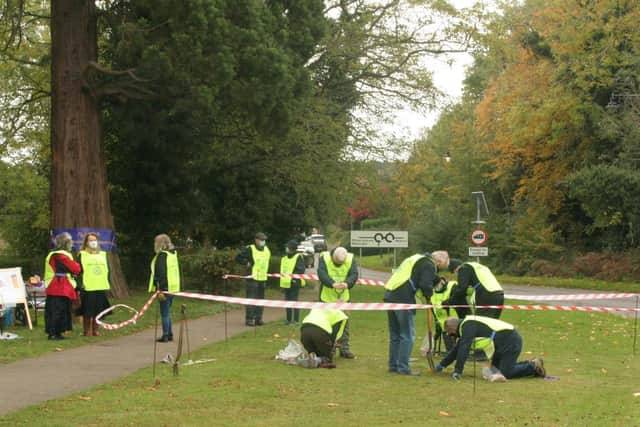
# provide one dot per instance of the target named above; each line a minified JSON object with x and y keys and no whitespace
{"x":507,"y":345}
{"x":320,"y":330}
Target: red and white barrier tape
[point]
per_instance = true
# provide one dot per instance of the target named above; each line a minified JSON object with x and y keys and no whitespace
{"x":570,"y":297}
{"x":135,"y":317}
{"x":368,"y":282}
{"x":347,"y":306}
{"x":371,"y":282}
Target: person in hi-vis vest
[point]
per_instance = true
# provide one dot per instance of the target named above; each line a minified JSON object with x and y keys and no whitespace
{"x":165,"y":276}
{"x":338,"y":273}
{"x":320,"y":330}
{"x":413,"y":279}
{"x":505,"y":348}
{"x":256,"y":258}
{"x":292,"y":263}
{"x":476,"y":286}
{"x":94,"y":282}
{"x":59,"y":269}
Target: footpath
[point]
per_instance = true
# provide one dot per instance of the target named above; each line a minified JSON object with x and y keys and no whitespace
{"x":58,"y":374}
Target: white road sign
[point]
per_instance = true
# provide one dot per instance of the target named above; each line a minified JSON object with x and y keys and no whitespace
{"x":478,"y":251}
{"x":379,"y":239}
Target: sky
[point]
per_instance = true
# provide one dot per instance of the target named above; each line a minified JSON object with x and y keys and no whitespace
{"x":448,"y":75}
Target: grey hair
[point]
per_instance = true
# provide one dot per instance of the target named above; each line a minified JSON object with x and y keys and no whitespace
{"x":442,"y":258}
{"x":63,"y":241}
{"x":450,"y":323}
{"x":162,"y":242}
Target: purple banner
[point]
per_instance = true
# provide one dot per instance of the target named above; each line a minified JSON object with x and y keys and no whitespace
{"x":106,"y":237}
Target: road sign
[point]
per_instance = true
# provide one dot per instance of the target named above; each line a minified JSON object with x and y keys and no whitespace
{"x":379,"y":239}
{"x":478,"y":251}
{"x":479,"y":236}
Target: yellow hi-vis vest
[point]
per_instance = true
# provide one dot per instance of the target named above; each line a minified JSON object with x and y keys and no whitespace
{"x":486,"y":278}
{"x":403,"y":275}
{"x":325,"y":319}
{"x":173,"y":272}
{"x":49,"y":273}
{"x":260,"y":263}
{"x":95,"y":271}
{"x":339,"y":274}
{"x":287,"y":265}
{"x":437,"y":298}
{"x":486,"y":343}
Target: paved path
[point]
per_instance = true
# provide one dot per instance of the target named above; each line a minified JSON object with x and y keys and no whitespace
{"x":59,"y":374}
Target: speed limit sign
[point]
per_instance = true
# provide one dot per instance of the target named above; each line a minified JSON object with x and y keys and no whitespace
{"x":479,"y":237}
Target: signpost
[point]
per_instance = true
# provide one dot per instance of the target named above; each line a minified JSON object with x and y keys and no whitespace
{"x":479,"y":235}
{"x":380,"y":239}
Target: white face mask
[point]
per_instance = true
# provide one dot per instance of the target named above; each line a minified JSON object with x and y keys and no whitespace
{"x":93,"y":244}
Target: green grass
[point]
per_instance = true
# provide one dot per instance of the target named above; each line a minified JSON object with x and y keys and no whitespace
{"x":590,"y":353}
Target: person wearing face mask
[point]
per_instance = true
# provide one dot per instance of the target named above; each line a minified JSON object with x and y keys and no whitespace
{"x":165,"y":276}
{"x":59,"y":269}
{"x":94,"y":283}
{"x":256,"y":258}
{"x":292,"y":263}
{"x":338,"y":273}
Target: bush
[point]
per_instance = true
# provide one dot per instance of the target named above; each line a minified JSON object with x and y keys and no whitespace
{"x":608,"y":266}
{"x":203,"y":268}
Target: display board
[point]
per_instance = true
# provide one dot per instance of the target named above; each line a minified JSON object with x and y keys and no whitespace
{"x":12,"y":290}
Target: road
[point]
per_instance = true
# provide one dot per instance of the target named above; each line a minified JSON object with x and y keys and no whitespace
{"x":540,"y":290}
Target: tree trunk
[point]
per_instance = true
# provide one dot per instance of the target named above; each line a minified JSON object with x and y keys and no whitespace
{"x":79,"y":192}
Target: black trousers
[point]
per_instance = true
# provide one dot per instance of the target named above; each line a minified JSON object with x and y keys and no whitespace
{"x":316,"y":340}
{"x":482,"y":298}
{"x":255,"y":290}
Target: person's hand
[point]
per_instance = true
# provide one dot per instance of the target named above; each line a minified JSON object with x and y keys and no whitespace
{"x":439,"y":368}
{"x":456,"y":376}
{"x":161,"y":297}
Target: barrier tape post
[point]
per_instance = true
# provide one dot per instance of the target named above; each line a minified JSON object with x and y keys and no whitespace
{"x":635,"y":325}
{"x":226,"y":335}
{"x":155,"y":344}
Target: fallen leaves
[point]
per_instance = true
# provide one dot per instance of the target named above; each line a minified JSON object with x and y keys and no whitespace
{"x":332,"y":405}
{"x":84,"y":397}
{"x":444,"y":414}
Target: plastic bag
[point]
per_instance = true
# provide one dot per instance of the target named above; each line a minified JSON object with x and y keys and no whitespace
{"x":290,"y":353}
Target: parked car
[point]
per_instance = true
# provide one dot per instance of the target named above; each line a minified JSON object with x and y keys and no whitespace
{"x":306,"y":249}
{"x":319,"y":242}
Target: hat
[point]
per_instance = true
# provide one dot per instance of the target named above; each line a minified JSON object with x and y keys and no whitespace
{"x":339,"y":255}
{"x":292,"y":244}
{"x":261,"y":236}
{"x":454,"y":263}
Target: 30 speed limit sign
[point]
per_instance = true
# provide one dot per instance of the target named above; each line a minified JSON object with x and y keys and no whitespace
{"x":479,"y":237}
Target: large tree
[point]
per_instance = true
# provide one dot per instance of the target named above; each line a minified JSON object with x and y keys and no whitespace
{"x":79,"y":189}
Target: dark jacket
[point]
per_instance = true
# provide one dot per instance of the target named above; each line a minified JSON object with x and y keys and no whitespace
{"x":424,"y":276}
{"x":326,"y":280}
{"x":160,"y":280}
{"x":470,"y":330}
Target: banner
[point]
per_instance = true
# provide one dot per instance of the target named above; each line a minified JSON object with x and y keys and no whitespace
{"x":106,"y":237}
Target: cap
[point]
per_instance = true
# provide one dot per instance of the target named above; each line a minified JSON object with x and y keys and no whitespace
{"x":261,"y":236}
{"x":292,"y":244}
{"x":454,"y":263}
{"x":339,"y":255}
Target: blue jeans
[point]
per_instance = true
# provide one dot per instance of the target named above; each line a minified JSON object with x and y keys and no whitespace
{"x":165,"y":315}
{"x":402,"y":333}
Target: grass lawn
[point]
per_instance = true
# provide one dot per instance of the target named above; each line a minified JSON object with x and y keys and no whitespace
{"x":592,"y":354}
